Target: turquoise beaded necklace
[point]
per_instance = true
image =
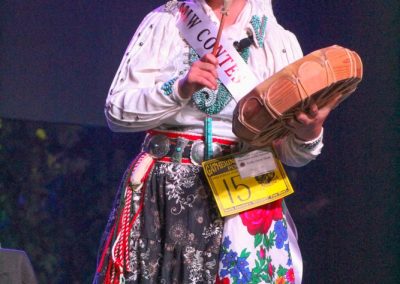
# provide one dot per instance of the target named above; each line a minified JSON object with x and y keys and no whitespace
{"x":212,"y":102}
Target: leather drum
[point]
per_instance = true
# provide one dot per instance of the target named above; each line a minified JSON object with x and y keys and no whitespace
{"x":319,"y":77}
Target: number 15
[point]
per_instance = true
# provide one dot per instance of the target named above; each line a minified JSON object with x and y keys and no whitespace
{"x":237,"y":187}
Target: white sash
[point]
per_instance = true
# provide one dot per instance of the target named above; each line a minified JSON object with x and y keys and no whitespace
{"x":198,"y":30}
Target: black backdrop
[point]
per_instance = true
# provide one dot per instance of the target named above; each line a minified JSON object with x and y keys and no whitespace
{"x":59,"y":57}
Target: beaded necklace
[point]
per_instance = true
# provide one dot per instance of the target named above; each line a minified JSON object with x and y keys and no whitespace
{"x":212,"y":102}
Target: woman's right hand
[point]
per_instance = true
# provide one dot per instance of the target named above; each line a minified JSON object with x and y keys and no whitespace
{"x":202,"y":73}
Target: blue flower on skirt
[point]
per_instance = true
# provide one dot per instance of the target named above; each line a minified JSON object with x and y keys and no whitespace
{"x":229,"y":258}
{"x":281,"y":234}
{"x":235,"y":272}
{"x":226,"y":243}
{"x":242,"y":264}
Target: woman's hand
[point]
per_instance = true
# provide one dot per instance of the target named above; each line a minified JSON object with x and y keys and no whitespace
{"x":202,"y":73}
{"x":307,"y":125}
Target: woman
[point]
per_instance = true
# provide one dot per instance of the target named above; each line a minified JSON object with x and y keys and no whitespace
{"x":165,"y":227}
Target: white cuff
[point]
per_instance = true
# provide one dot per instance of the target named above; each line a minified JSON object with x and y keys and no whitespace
{"x":311,"y":144}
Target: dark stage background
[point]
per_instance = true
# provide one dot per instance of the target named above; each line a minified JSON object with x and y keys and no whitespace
{"x":60,"y":165}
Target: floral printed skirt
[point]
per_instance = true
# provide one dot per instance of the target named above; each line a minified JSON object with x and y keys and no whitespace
{"x":175,"y":235}
{"x":256,"y":247}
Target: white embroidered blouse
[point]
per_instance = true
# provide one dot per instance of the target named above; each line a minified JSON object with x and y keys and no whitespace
{"x":157,"y":53}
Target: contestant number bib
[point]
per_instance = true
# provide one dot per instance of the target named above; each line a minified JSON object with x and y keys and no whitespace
{"x":235,"y":194}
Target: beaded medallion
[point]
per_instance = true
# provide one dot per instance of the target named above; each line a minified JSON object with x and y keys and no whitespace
{"x":210,"y":101}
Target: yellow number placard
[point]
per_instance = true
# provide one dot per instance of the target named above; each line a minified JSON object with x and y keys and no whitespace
{"x":234,"y":194}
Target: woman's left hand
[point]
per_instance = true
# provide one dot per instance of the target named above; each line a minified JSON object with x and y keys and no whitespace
{"x":307,"y":125}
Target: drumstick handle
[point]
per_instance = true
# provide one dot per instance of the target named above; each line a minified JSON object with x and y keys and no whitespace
{"x":221,"y":26}
{"x":224,"y":11}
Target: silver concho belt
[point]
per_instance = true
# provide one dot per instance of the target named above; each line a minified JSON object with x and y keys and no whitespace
{"x":197,"y":151}
{"x":160,"y":145}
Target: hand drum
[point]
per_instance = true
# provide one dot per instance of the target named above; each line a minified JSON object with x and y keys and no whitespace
{"x":318,"y":77}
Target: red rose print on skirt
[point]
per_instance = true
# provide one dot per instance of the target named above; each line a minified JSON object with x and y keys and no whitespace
{"x":222,"y":281}
{"x":258,"y":220}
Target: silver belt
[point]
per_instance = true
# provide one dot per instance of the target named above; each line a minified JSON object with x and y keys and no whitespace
{"x":160,"y":146}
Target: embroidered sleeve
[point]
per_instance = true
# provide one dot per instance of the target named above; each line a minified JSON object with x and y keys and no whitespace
{"x":144,"y":90}
{"x":167,"y":87}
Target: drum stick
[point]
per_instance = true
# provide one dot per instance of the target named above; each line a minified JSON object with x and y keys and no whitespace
{"x":224,"y":12}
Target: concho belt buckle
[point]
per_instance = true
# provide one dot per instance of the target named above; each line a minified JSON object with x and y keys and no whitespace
{"x":157,"y":145}
{"x":197,"y":152}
